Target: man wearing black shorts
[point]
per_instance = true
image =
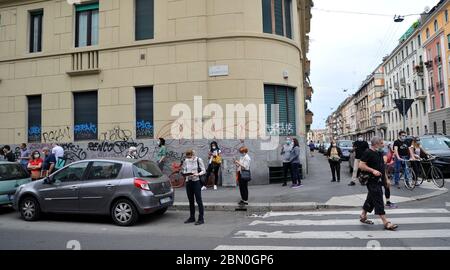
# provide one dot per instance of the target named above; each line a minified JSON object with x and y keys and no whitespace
{"x":372,"y":163}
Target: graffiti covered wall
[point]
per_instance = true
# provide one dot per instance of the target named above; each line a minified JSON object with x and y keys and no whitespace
{"x":176,"y":148}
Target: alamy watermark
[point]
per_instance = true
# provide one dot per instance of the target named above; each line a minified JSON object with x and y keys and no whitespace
{"x":237,"y":121}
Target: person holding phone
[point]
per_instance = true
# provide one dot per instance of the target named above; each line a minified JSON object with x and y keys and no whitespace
{"x":192,"y":169}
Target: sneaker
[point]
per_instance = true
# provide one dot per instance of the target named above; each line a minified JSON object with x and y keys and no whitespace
{"x":204,"y":188}
{"x":352,"y":183}
{"x":215,"y":187}
{"x":189,"y":220}
{"x":298,"y":186}
{"x":200,"y":222}
{"x":333,"y":180}
{"x":391,"y":205}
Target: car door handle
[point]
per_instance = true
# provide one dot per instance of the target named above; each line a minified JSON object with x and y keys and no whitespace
{"x":74,"y":187}
{"x":110,"y":186}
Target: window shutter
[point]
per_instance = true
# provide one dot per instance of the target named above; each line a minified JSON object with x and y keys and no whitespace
{"x":87,"y":7}
{"x":292,"y":127}
{"x":281,"y":100}
{"x":86,"y":107}
{"x":144,"y":112}
{"x":269,"y":99}
{"x":34,"y":118}
{"x":287,"y":11}
{"x":144,"y":19}
{"x":267,"y":16}
{"x":278,"y":10}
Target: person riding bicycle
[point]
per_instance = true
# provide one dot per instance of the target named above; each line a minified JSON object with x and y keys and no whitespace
{"x":402,"y":154}
{"x":417,"y":153}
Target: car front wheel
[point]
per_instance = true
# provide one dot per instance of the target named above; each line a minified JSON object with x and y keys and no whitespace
{"x":30,"y":209}
{"x":124,"y":213}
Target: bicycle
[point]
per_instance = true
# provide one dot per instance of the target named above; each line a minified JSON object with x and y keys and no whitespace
{"x":408,"y":175}
{"x":177,"y":180}
{"x":433,"y":174}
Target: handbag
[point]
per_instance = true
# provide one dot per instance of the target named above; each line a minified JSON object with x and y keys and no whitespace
{"x":246,"y":175}
{"x":203,"y":179}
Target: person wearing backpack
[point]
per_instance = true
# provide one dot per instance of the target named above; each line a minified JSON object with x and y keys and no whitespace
{"x":215,"y":161}
{"x":193,"y":169}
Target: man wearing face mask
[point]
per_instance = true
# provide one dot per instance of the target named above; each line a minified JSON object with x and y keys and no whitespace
{"x":372,"y":163}
{"x":401,"y":153}
{"x":286,"y":155}
{"x":359,"y":147}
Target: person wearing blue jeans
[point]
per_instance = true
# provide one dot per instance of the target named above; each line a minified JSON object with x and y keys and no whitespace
{"x":402,"y":153}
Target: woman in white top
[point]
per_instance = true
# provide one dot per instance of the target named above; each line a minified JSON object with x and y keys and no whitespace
{"x":193,"y":167}
{"x":243,"y":164}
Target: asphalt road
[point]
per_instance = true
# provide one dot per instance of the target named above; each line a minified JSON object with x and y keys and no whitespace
{"x":422,"y":224}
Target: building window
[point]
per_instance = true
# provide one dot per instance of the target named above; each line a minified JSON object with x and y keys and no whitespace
{"x":85,"y":116}
{"x":144,"y":11}
{"x":433,"y":103}
{"x":277,"y":17}
{"x":446,"y":16}
{"x":34,"y":118}
{"x":424,"y":107}
{"x":435,"y":128}
{"x":86,"y":25}
{"x":285,"y":98}
{"x":36,"y":31}
{"x":448,"y":41}
{"x":438,"y":49}
{"x":426,"y":129}
{"x":427,"y":33}
{"x":444,"y":127}
{"x":419,"y":40}
{"x":436,"y":26}
{"x":442,"y":100}
{"x":417,"y":110}
{"x":144,"y":112}
{"x":418,"y":131}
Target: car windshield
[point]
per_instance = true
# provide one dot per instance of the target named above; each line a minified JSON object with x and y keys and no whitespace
{"x":146,"y":168}
{"x":436,"y":143}
{"x":12,"y":172}
{"x":345,"y":144}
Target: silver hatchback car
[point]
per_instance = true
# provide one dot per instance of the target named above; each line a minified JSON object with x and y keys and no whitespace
{"x":122,"y":188}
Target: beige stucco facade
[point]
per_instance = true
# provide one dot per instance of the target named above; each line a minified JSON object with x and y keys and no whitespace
{"x":189,"y":37}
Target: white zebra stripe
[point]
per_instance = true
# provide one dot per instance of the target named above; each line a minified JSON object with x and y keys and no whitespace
{"x":230,"y":247}
{"x":447,"y":204}
{"x":343,"y":222}
{"x":356,"y":212}
{"x":409,"y":234}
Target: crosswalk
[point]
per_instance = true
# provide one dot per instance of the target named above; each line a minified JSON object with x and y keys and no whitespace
{"x":419,"y":229}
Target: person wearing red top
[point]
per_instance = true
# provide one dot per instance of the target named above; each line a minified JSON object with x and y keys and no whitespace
{"x":35,"y":165}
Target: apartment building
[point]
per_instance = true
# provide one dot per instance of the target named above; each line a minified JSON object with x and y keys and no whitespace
{"x":109,"y":70}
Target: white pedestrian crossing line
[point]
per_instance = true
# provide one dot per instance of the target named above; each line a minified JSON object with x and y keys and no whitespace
{"x":447,"y":204}
{"x":408,"y":234}
{"x":356,"y":212}
{"x":345,"y":222}
{"x":237,"y":247}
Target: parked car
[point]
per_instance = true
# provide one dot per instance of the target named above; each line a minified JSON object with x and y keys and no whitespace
{"x":438,"y":146}
{"x":325,"y":148}
{"x":12,"y":175}
{"x":346,"y":147}
{"x":121,"y":188}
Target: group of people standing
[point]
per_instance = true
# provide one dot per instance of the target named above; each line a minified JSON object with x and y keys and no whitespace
{"x":290,"y":155}
{"x":40,"y":164}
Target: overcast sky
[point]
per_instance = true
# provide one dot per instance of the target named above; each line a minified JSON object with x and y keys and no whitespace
{"x":345,"y":48}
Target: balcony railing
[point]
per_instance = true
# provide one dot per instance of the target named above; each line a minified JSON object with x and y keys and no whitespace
{"x":309,"y":93}
{"x":440,"y":86}
{"x":438,"y":60}
{"x":84,"y":63}
{"x":429,"y":64}
{"x":421,"y":94}
{"x":419,"y":69}
{"x":431,"y":88}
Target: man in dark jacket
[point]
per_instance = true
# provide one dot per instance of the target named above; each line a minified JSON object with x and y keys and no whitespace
{"x":359,"y":147}
{"x":9,"y":155}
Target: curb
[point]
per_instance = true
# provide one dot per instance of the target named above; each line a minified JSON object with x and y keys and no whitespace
{"x":294,"y":206}
{"x":260,"y":207}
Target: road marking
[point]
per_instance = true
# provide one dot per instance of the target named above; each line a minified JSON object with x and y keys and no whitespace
{"x":357,"y":212}
{"x":343,"y":222}
{"x":345,"y":234}
{"x":447,"y":204}
{"x":230,"y":247}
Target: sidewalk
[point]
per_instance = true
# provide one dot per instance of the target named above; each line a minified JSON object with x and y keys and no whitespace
{"x":317,"y":193}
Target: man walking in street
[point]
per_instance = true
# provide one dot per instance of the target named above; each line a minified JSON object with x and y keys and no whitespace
{"x":312,"y":146}
{"x":372,"y":163}
{"x":286,"y":155}
{"x":359,"y":147}
{"x":401,"y":154}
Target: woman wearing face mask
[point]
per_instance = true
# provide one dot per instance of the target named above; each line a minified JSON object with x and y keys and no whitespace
{"x":192,"y":169}
{"x":334,"y":155}
{"x":417,"y":153}
{"x":295,"y":165}
{"x":35,"y":165}
{"x":215,"y":161}
{"x":243,"y":164}
{"x":162,"y":153}
{"x":285,"y":156}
